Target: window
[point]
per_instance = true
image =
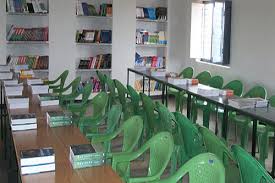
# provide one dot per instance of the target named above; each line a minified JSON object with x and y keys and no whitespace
{"x":210,"y":31}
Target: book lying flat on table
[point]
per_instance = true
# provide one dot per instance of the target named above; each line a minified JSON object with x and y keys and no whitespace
{"x":181,"y":81}
{"x":84,"y":155}
{"x":37,"y":161}
{"x":39,"y":89}
{"x":23,"y":119}
{"x":246,"y":103}
{"x":6,"y":75}
{"x":34,"y":81}
{"x":208,"y":91}
{"x":48,"y":100}
{"x":18,"y":102}
{"x":10,"y":82}
{"x":56,"y":119}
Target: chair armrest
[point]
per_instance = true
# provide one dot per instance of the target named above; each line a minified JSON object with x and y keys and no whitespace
{"x":99,"y":138}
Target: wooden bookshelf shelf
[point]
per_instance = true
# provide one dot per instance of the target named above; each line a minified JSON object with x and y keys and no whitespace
{"x":93,"y":70}
{"x":152,"y":45}
{"x":96,"y":17}
{"x":26,"y":14}
{"x":27,"y":42}
{"x":95,"y":44}
{"x":153,"y":21}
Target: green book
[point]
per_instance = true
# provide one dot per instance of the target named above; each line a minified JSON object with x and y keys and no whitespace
{"x":47,"y":97}
{"x":60,"y":123}
{"x":85,"y":152}
{"x":86,"y":163}
{"x":57,"y":116}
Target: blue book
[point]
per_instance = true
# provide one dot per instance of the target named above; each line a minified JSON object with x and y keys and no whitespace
{"x":138,"y":59}
{"x":85,"y":9}
{"x":146,"y":13}
{"x":152,"y":13}
{"x":106,"y":36}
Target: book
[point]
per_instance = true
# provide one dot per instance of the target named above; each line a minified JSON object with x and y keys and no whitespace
{"x":23,"y":119}
{"x":37,"y":156}
{"x":56,"y":119}
{"x":5,"y":68}
{"x":39,"y":89}
{"x":86,"y":163}
{"x":97,"y":62}
{"x":27,"y":34}
{"x":94,"y":36}
{"x":84,"y":152}
{"x":6,"y":75}
{"x":24,"y":127}
{"x":48,"y":100}
{"x":10,"y":82}
{"x":149,"y":38}
{"x":158,"y":72}
{"x":208,"y":91}
{"x":246,"y":103}
{"x":34,"y":81}
{"x":23,"y":6}
{"x":38,"y":169}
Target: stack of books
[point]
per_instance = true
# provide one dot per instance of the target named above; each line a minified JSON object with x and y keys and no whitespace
{"x":48,"y":100}
{"x":6,"y":75}
{"x":26,"y":74}
{"x":208,"y":91}
{"x":247,"y":103}
{"x":83,"y":8}
{"x":10,"y":82}
{"x":14,"y":89}
{"x":18,"y":102}
{"x":159,"y":13}
{"x":97,"y":62}
{"x":37,"y":161}
{"x":151,"y":38}
{"x":56,"y":119}
{"x":94,"y":36}
{"x":150,"y":61}
{"x":28,"y":62}
{"x":27,"y":34}
{"x":5,"y":68}
{"x":23,"y":122}
{"x":154,"y":86}
{"x":84,"y":156}
{"x":34,"y":81}
{"x":39,"y":89}
{"x":29,"y":6}
{"x":182,"y":81}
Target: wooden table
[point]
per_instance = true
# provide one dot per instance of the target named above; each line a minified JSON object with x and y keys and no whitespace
{"x":59,"y":139}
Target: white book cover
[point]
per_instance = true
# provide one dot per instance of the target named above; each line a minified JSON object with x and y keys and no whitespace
{"x":6,"y":75}
{"x":14,"y":93}
{"x":18,"y":106}
{"x":178,"y":81}
{"x":49,"y":103}
{"x":34,"y":81}
{"x":208,"y":91}
{"x":37,"y":160}
{"x":17,"y":100}
{"x":23,"y":119}
{"x":5,"y":68}
{"x":24,"y":127}
{"x":38,"y":169}
{"x":10,"y":82}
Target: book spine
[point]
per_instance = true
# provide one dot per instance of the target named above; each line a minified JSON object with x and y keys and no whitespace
{"x":86,"y":164}
{"x":94,"y":156}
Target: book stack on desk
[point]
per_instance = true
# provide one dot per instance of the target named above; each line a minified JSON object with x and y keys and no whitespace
{"x":84,"y":156}
{"x":6,"y":75}
{"x":208,"y":91}
{"x":37,"y":161}
{"x":14,"y":89}
{"x":23,"y":122}
{"x":182,"y":81}
{"x":10,"y":82}
{"x":48,"y":100}
{"x":34,"y":81}
{"x":56,"y":119}
{"x":18,"y":102}
{"x":248,"y":103}
{"x":39,"y":89}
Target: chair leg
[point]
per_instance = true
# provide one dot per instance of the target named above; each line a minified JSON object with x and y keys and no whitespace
{"x":206,"y":118}
{"x":244,"y":135}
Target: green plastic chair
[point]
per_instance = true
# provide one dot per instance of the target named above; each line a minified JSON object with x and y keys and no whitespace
{"x":244,"y":121}
{"x":186,"y":73}
{"x":102,"y":79}
{"x":70,"y":98}
{"x":192,"y":138}
{"x":131,"y":130}
{"x":135,"y":100}
{"x":78,"y":109}
{"x":167,"y":122}
{"x":112,"y":119}
{"x":61,"y":80}
{"x":113,"y":96}
{"x":250,"y":169}
{"x":160,"y":146}
{"x":203,"y":78}
{"x":203,"y":168}
{"x":99,"y":104}
{"x":216,"y":146}
{"x":215,"y":82}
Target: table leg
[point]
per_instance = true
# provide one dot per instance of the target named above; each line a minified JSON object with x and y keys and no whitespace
{"x":225,"y":123}
{"x":254,"y":137}
{"x":166,"y":96}
{"x":143,"y":84}
{"x":189,"y":106}
{"x":163,"y":93}
{"x":217,"y":119}
{"x":149,"y":87}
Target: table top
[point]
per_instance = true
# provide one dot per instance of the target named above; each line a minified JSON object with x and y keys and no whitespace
{"x":265,"y":115}
{"x":59,"y":139}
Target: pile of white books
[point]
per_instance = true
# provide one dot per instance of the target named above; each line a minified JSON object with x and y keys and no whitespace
{"x":23,"y":122}
{"x":48,"y":100}
{"x":182,"y":81}
{"x":34,"y":81}
{"x":57,"y":119}
{"x":5,"y":68}
{"x":14,"y":89}
{"x":84,"y":156}
{"x":37,"y":161}
{"x":10,"y":82}
{"x":39,"y":89}
{"x":208,"y":91}
{"x":247,"y":103}
{"x":18,"y":102}
{"x":6,"y":75}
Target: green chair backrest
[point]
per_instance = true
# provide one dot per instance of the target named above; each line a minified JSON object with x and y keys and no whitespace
{"x":203,"y":168}
{"x":74,"y":85}
{"x":149,"y":108}
{"x":257,"y":91}
{"x":216,"y":146}
{"x":86,"y":92}
{"x":192,"y":139}
{"x":113,"y":118}
{"x":236,"y":86}
{"x":187,"y":73}
{"x":62,"y":77}
{"x":216,"y":82}
{"x":135,"y":98}
{"x":122,"y":91}
{"x":102,"y":79}
{"x":99,"y":103}
{"x":111,"y":88}
{"x":272,"y":101}
{"x":167,"y":122}
{"x":204,"y":77}
{"x":250,"y":169}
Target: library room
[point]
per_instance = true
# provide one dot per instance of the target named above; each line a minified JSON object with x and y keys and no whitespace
{"x":137,"y":91}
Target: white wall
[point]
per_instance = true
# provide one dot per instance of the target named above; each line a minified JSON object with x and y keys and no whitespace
{"x":252,"y":44}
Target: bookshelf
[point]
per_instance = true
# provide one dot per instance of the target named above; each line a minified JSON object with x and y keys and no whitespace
{"x":32,"y":21}
{"x":151,"y":52}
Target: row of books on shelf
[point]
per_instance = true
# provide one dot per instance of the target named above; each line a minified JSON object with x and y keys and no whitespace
{"x":146,"y":37}
{"x":150,"y":61}
{"x":87,"y":9}
{"x":94,"y":82}
{"x":27,"y":34}
{"x":154,"y":86}
{"x":27,"y":6}
{"x":97,"y":62}
{"x":94,"y":36}
{"x":28,"y":62}
{"x":159,"y":13}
